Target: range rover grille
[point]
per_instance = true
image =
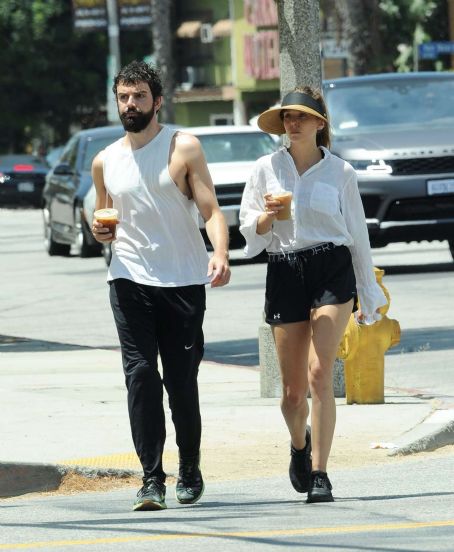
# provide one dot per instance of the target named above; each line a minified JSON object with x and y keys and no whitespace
{"x":423,"y":165}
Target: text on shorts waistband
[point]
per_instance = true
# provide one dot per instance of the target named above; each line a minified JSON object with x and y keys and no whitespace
{"x":307,"y":252}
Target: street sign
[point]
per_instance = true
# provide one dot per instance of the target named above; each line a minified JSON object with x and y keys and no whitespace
{"x":134,"y":13}
{"x":334,"y":49}
{"x":91,"y":15}
{"x":431,"y":50}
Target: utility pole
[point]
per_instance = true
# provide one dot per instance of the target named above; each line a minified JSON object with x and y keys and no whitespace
{"x":451,"y":26}
{"x":299,"y":43}
{"x":239,"y":110}
{"x":114,"y":59}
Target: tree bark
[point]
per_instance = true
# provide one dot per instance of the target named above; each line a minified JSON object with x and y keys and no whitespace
{"x":299,"y":43}
{"x":162,"y":49}
{"x":360,"y":26}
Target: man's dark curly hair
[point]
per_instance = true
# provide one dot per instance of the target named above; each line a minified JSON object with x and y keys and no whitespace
{"x":139,"y":71}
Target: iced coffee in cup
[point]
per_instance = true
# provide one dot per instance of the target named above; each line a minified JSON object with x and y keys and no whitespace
{"x":109,"y":219}
{"x":285,"y":199}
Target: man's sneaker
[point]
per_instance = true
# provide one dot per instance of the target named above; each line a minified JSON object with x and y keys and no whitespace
{"x":190,"y":485}
{"x":301,"y":465}
{"x":320,"y":488}
{"x":151,"y":496}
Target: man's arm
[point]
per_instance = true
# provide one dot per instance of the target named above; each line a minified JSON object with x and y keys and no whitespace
{"x":202,"y":189}
{"x":100,"y":233}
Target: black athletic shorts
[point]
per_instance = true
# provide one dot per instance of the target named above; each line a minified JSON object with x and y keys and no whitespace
{"x":299,"y":281}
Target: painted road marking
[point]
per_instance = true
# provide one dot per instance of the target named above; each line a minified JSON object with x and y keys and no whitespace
{"x":241,"y":534}
{"x":125,"y":460}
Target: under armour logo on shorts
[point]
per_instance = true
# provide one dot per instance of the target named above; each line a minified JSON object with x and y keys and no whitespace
{"x":278,"y":315}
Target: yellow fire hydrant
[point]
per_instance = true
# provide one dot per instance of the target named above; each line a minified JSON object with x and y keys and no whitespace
{"x":363,"y":350}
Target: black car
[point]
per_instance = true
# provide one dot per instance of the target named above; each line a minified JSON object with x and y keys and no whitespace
{"x":67,"y":183}
{"x":22,"y":179}
{"x":397,"y":130}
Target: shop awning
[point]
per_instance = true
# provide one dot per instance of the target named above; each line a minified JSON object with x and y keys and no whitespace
{"x":189,"y":29}
{"x":223,"y":27}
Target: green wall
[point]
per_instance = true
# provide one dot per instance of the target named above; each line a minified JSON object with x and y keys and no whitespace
{"x":198,"y":113}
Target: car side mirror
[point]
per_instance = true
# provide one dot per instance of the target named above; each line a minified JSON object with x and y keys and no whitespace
{"x":63,"y":169}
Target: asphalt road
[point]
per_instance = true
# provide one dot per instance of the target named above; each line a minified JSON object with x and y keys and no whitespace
{"x":371,"y":513}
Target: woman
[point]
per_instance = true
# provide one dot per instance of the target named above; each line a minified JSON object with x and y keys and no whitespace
{"x":313,"y":259}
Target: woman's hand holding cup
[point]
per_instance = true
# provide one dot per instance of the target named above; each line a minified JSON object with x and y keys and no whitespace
{"x":272,"y":205}
{"x":278,"y":205}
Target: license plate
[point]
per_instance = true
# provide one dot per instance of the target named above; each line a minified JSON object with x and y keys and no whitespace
{"x":26,"y":187}
{"x":438,"y":187}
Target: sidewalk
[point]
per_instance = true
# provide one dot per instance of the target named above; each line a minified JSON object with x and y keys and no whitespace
{"x":68,"y":407}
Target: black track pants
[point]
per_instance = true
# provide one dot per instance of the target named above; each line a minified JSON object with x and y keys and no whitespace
{"x":167,"y":320}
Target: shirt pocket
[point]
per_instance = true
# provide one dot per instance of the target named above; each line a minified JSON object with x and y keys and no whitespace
{"x":325,"y":199}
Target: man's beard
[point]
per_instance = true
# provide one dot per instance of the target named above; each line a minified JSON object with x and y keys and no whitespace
{"x":136,"y":121}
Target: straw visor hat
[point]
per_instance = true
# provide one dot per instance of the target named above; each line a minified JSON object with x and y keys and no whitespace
{"x":270,"y":120}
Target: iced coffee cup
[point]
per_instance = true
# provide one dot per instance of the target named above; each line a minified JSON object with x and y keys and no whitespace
{"x":285,"y":199}
{"x":109,"y":219}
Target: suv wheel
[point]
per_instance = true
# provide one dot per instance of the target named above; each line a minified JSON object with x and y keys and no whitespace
{"x":50,"y":245}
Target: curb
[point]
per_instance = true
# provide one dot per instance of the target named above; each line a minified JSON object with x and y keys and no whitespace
{"x":418,"y":440}
{"x":22,"y":478}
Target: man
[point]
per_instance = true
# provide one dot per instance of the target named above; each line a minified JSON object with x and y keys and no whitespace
{"x":157,"y":178}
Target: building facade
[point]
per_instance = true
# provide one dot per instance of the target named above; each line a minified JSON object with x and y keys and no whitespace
{"x":228,"y":55}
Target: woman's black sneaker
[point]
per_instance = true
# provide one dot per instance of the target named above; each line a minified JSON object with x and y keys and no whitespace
{"x":151,"y":496}
{"x":190,"y":484}
{"x":301,"y":465}
{"x":320,"y":488}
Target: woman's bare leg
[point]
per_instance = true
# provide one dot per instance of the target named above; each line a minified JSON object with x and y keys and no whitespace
{"x":328,"y":326}
{"x":292,"y":345}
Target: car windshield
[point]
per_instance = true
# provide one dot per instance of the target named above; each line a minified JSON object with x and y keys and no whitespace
{"x":241,"y":146}
{"x":94,"y":146}
{"x":376,"y":106}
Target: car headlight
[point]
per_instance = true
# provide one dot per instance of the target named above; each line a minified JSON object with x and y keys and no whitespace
{"x":371,"y":166}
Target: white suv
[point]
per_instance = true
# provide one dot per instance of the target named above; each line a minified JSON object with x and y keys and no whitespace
{"x":231,"y":152}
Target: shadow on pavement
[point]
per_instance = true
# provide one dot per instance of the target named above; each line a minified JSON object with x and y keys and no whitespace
{"x":242,"y":352}
{"x":245,"y":352}
{"x":416,"y":268}
{"x":13,"y":344}
{"x":390,"y":497}
{"x":417,"y":340}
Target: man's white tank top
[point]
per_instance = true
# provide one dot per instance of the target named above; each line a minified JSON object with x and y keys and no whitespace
{"x":158,"y":239}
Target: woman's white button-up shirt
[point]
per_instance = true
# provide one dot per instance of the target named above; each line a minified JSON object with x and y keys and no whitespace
{"x":326,"y":207}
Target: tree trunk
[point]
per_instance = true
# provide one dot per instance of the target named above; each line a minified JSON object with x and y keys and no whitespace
{"x":360,"y":28}
{"x":162,"y":50}
{"x":299,"y":43}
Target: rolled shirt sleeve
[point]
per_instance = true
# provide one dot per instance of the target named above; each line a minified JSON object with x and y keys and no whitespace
{"x":370,"y":294}
{"x":252,"y":206}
